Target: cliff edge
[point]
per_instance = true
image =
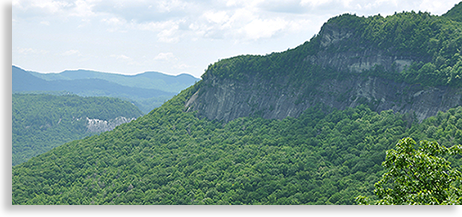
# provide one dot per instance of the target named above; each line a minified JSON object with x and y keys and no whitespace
{"x":386,"y":63}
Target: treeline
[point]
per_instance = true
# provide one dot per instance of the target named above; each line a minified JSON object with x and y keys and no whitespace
{"x":43,"y":121}
{"x":326,"y":156}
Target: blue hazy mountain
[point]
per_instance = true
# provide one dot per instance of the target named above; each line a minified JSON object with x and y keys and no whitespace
{"x":148,"y":80}
{"x":146,"y":90}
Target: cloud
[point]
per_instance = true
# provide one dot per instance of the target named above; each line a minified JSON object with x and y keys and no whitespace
{"x":288,"y":6}
{"x":173,"y":21}
{"x":121,"y":57}
{"x":83,"y":8}
{"x":31,"y":51}
{"x":183,"y":66}
{"x":165,"y":57}
{"x":113,"y":21}
{"x":145,"y":11}
{"x":71,"y":52}
{"x":167,"y":31}
{"x":263,"y":28}
{"x":218,"y":17}
{"x":41,"y":8}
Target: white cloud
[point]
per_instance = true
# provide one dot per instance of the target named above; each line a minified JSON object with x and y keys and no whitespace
{"x":182,"y":66}
{"x":71,"y":52}
{"x":113,"y":21}
{"x":82,"y":8}
{"x":168,"y":56}
{"x":31,"y":51}
{"x":121,"y":56}
{"x":50,"y":5}
{"x":167,"y":31}
{"x":219,"y":17}
{"x":263,"y":28}
{"x":40,"y":7}
{"x":288,"y":6}
{"x":170,"y":5}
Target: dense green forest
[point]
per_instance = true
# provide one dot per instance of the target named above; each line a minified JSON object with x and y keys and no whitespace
{"x":42,"y":121}
{"x":433,"y":42}
{"x":326,"y":156}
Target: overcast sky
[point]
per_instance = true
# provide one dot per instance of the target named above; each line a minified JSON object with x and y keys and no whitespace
{"x":173,"y":37}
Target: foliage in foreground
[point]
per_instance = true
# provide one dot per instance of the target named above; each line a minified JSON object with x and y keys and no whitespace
{"x":418,"y":176}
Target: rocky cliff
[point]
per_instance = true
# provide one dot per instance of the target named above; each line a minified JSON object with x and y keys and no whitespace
{"x":336,"y":48}
{"x":333,"y":38}
{"x":227,"y":100}
{"x":98,"y":126}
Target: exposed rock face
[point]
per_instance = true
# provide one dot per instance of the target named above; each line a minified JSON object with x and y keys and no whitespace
{"x":229,"y":100}
{"x":97,"y":126}
{"x":334,"y":38}
{"x":277,"y":98}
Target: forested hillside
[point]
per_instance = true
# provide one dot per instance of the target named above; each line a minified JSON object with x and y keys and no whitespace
{"x":301,"y":136}
{"x":42,"y":122}
{"x":326,"y":156}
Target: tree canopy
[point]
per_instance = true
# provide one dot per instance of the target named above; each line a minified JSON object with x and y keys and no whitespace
{"x":43,"y":121}
{"x":326,"y":156}
{"x":432,"y":43}
{"x":418,"y":176}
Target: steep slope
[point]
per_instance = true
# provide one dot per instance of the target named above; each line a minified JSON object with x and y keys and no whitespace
{"x":169,"y":156}
{"x":408,"y":62}
{"x":227,"y":100}
{"x":455,"y":13}
{"x":42,"y":122}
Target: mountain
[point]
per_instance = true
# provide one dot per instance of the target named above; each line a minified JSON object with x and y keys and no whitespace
{"x":455,"y":13}
{"x":144,"y":90}
{"x":409,"y":62}
{"x":146,"y":80}
{"x":42,"y":122}
{"x":304,"y":126}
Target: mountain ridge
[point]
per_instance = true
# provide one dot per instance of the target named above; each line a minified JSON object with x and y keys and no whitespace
{"x":375,"y":59}
{"x":148,"y":80}
{"x":141,"y":91}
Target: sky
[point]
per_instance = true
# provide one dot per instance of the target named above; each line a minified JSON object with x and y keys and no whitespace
{"x":177,"y":36}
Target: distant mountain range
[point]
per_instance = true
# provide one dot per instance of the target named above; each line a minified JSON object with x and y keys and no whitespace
{"x":146,"y":90}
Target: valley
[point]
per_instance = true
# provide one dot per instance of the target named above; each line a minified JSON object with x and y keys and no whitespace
{"x":42,"y":121}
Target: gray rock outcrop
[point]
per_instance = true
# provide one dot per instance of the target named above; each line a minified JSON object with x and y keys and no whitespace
{"x":97,"y":125}
{"x":277,"y":98}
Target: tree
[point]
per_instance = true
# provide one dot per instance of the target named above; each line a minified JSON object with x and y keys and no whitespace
{"x":418,"y":176}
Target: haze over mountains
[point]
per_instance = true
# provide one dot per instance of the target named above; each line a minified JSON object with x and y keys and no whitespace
{"x":146,"y":90}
